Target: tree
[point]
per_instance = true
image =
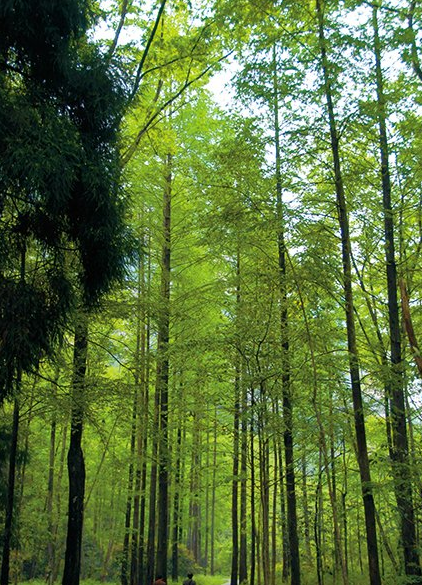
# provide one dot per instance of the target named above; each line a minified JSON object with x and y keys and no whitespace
{"x":362,"y":450}
{"x":401,"y":468}
{"x":59,"y":118}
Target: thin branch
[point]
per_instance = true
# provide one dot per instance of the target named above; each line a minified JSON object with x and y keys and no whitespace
{"x":125,"y":7}
{"x":162,"y":65}
{"x":379,"y":6}
{"x":132,"y":148}
{"x":105,"y":450}
{"x":146,"y":50}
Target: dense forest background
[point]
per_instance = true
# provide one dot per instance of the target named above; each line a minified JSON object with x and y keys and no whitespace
{"x":210,"y":276}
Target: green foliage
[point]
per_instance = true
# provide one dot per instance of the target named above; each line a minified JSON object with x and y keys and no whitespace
{"x":60,"y":206}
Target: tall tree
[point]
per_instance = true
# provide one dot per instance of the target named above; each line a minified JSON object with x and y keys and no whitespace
{"x":75,"y":458}
{"x":51,"y":96}
{"x":362,"y":450}
{"x":285,"y":342}
{"x":401,"y":460}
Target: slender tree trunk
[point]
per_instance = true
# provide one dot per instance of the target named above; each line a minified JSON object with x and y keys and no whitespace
{"x":281,"y":482}
{"x":359,"y":539}
{"x":207,"y":502}
{"x":214,"y":486}
{"x":58,"y":499}
{"x":134,"y":546}
{"x":264,"y":484}
{"x":252,"y":495}
{"x":139,"y":410}
{"x":243,"y":552}
{"x":401,"y":460}
{"x":274,"y":514}
{"x":408,"y":325}
{"x":128,"y":514}
{"x":235,"y":481}
{"x":236,"y":426}
{"x":145,"y":418}
{"x":286,"y":382}
{"x":8,"y":525}
{"x":306,"y":521}
{"x":195,"y":488}
{"x":387,"y":546}
{"x":363,"y":461}
{"x":383,"y":362}
{"x":150,"y":557}
{"x":10,"y":501}
{"x":141,"y":551}
{"x":329,"y":462}
{"x":318,"y":523}
{"x":51,"y":544}
{"x":344,"y":509}
{"x":176,"y":503}
{"x":182,"y":530}
{"x":75,"y":457}
{"x":162,"y":379}
{"x":25,"y":434}
{"x":50,"y":496}
{"x":285,"y":533}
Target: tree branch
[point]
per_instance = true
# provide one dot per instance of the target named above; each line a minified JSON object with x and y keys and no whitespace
{"x":146,"y":50}
{"x":413,"y":342}
{"x":125,"y":6}
{"x":132,"y":148}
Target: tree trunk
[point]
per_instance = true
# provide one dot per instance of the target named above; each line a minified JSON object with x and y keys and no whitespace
{"x":408,"y":324}
{"x":285,"y":533}
{"x":363,"y":461}
{"x":150,"y":557}
{"x":207,"y":502}
{"x":264,"y":483}
{"x":8,"y":525}
{"x":126,"y":540}
{"x":274,"y":513}
{"x":162,"y":379}
{"x":329,"y":462}
{"x":214,"y":486}
{"x":129,"y":501}
{"x":140,"y":409}
{"x":145,"y":419}
{"x":252,"y":495}
{"x":59,"y":547}
{"x":51,"y":544}
{"x":243,"y":552}
{"x":75,"y":457}
{"x":236,"y":427}
{"x":344,"y":510}
{"x":176,"y":503}
{"x":401,"y":460}
{"x":235,"y":480}
{"x":286,"y":383}
{"x":307,"y":531}
{"x":318,"y":523}
{"x":195,"y":489}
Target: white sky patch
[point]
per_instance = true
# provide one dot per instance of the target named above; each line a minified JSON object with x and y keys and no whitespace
{"x":221,"y":87}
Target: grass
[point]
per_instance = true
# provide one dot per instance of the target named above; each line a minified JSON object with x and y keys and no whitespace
{"x":208,"y":579}
{"x":199,"y":579}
